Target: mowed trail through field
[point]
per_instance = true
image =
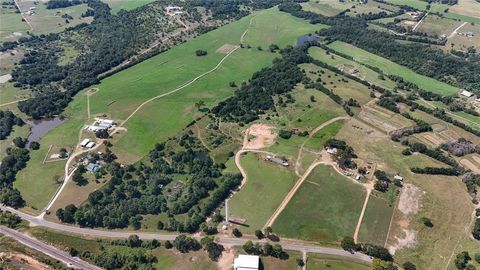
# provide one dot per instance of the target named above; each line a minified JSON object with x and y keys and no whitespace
{"x":67,"y":176}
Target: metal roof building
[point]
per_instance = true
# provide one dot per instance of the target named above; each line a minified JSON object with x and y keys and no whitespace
{"x":246,"y":262}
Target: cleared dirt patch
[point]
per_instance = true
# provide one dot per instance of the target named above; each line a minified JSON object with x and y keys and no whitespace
{"x":259,"y":136}
{"x":22,"y":261}
{"x":225,"y":262}
{"x":408,"y":205}
{"x":409,"y":200}
{"x":467,"y":163}
{"x":226,"y":48}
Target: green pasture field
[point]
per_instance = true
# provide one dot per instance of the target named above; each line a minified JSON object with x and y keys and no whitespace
{"x":346,"y":64}
{"x":321,"y":8}
{"x":121,"y":93}
{"x":344,"y":87}
{"x":38,"y":182}
{"x":325,"y":208}
{"x":466,"y":7}
{"x":318,"y":139}
{"x":167,"y":259}
{"x":11,"y":22}
{"x":376,"y":220}
{"x":263,"y":192}
{"x":333,"y":7}
{"x":46,"y":21}
{"x":117,"y":5}
{"x":390,"y":67}
{"x":324,"y":262}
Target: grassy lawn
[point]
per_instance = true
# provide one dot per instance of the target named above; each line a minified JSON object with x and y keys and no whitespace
{"x":38,"y":182}
{"x":46,"y":21}
{"x":325,"y":209}
{"x":117,"y":5}
{"x":11,"y":22}
{"x":346,"y":65}
{"x":376,"y":221}
{"x":274,"y":27}
{"x":121,"y":93}
{"x":317,"y":141}
{"x":324,"y":262}
{"x":321,"y":8}
{"x":265,"y":189}
{"x":390,"y":67}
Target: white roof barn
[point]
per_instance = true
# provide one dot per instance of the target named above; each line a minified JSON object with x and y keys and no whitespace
{"x":84,"y":142}
{"x":466,"y":93}
{"x":246,"y":262}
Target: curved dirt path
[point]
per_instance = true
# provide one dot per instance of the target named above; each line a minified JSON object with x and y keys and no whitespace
{"x":299,"y":156}
{"x":71,"y":158}
{"x":180,"y":87}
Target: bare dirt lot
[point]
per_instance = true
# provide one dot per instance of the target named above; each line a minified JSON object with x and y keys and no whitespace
{"x":408,"y":205}
{"x":23,"y":261}
{"x":259,"y":136}
{"x":226,"y":48}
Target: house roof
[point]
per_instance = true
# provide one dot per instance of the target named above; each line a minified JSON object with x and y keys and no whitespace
{"x":246,"y":262}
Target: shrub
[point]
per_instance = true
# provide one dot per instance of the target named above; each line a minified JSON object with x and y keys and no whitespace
{"x":200,"y":52}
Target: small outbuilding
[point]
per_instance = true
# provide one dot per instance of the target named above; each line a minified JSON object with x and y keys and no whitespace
{"x":332,"y":151}
{"x":278,"y":161}
{"x":246,"y":262}
{"x":90,"y":145}
{"x":84,"y":142}
{"x":398,"y":177}
{"x":466,"y":93}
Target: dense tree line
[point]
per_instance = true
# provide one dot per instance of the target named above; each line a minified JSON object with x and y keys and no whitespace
{"x":255,"y":98}
{"x":15,"y":160}
{"x":383,"y":181}
{"x":436,"y":171}
{"x":460,"y":147}
{"x":420,"y":127}
{"x":379,"y":252}
{"x":53,"y":4}
{"x":266,"y":249}
{"x":7,"y":121}
{"x":142,"y":189}
{"x":9,"y":219}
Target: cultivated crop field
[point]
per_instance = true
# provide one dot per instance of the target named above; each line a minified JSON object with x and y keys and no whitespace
{"x":325,"y":209}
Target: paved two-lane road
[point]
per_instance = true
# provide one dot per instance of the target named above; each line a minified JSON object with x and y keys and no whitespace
{"x":47,"y":249}
{"x":87,"y":232}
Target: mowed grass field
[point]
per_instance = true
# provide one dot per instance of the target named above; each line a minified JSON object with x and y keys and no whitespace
{"x":122,"y":93}
{"x":263,"y":192}
{"x":333,"y":7}
{"x":117,"y":5}
{"x":46,"y":21}
{"x":346,"y":65}
{"x":11,"y":22}
{"x":392,"y":68}
{"x":325,"y":208}
{"x":376,"y":220}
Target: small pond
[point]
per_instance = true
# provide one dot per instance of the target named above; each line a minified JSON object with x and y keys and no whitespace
{"x":40,"y":127}
{"x":303,"y":39}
